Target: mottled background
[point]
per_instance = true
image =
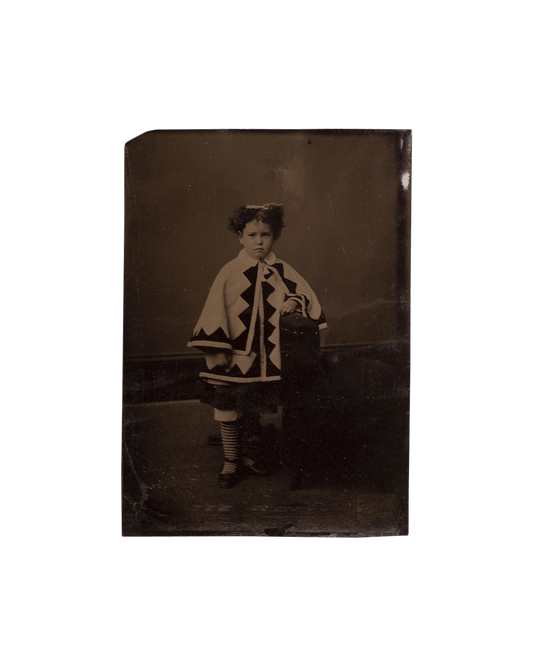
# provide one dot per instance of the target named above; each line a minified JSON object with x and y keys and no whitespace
{"x":341,"y":196}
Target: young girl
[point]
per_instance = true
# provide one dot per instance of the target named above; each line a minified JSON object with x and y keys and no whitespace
{"x":239,"y":331}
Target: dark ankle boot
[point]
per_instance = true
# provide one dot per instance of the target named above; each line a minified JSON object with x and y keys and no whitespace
{"x":230,"y":479}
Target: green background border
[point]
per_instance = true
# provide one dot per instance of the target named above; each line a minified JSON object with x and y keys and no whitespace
{"x":82,"y":80}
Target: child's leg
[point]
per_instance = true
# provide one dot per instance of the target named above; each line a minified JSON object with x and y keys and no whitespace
{"x":249,"y":425}
{"x":229,"y":431}
{"x":230,"y":445}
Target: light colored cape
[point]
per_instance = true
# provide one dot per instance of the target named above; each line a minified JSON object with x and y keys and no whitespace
{"x":241,"y":316}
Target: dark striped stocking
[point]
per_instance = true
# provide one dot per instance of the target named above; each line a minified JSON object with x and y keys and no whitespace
{"x":229,"y":431}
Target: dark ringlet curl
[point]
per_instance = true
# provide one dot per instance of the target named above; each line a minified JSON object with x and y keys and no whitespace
{"x":272,"y":215}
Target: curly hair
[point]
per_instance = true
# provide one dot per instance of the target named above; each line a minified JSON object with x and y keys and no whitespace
{"x":271,"y":214}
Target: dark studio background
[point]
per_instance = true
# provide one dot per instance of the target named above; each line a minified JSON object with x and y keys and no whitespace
{"x":347,"y":209}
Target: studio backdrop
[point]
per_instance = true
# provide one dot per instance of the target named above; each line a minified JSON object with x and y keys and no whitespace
{"x":346,"y":197}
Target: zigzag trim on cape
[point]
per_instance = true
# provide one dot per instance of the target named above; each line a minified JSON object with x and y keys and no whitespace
{"x":241,"y":380}
{"x":241,"y":315}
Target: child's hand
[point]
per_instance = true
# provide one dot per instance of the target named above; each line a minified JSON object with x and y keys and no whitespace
{"x":228,"y":358}
{"x":222,"y":358}
{"x":288,"y":307}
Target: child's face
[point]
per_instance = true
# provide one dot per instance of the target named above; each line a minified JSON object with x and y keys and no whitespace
{"x":257,"y":238}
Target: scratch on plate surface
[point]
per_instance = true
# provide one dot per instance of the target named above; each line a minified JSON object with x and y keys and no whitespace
{"x":345,"y":254}
{"x":250,"y":181}
{"x":331,"y":205}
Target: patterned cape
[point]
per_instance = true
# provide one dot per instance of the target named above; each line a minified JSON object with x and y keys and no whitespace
{"x":241,"y":315}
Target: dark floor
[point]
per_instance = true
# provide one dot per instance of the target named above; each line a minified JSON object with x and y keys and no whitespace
{"x":170,"y":485}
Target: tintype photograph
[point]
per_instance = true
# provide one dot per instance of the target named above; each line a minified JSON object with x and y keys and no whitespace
{"x":266,"y":333}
